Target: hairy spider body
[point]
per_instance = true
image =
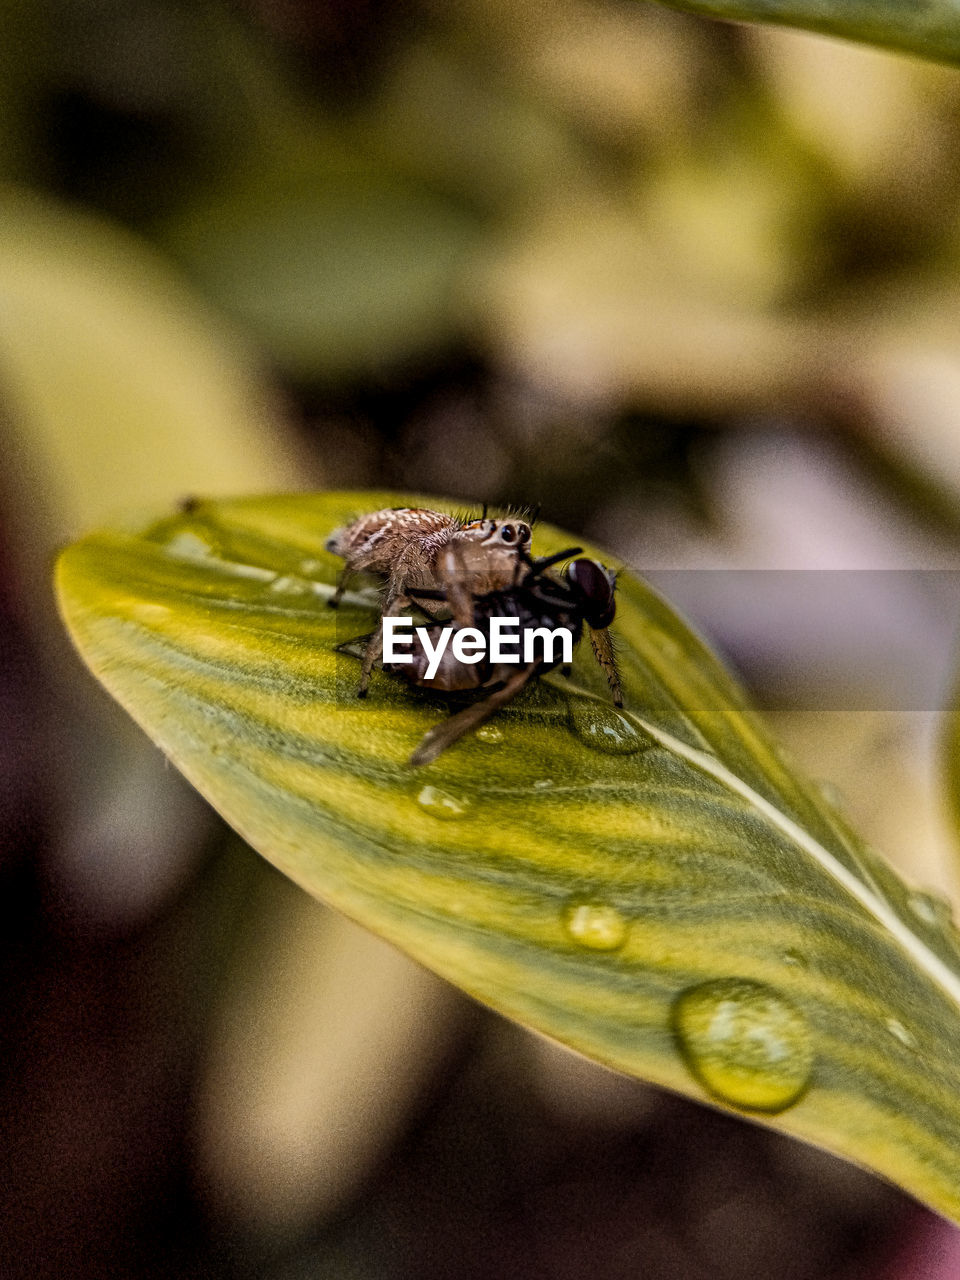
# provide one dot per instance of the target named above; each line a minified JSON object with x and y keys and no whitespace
{"x":584,"y":595}
{"x":413,"y":549}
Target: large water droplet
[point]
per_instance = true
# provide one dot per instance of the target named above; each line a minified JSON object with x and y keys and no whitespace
{"x":605,"y":729}
{"x":745,"y":1043}
{"x":596,"y":925}
{"x":490,"y":733}
{"x":441,"y":804}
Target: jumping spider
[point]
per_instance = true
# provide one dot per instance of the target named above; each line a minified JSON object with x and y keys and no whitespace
{"x":416,"y":550}
{"x":583,"y":595}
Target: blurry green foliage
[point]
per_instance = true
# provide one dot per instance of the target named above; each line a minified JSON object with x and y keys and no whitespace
{"x":530,"y":250}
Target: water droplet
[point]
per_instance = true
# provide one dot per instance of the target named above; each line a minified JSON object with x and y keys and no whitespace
{"x":831,"y":793}
{"x":785,"y":757}
{"x":148,"y":612}
{"x":900,"y":1032}
{"x":605,"y":729}
{"x":796,"y":959}
{"x":922,"y":907}
{"x":669,"y":646}
{"x":490,"y":733}
{"x":290,"y":586}
{"x":543,"y":784}
{"x":931,"y":908}
{"x":441,"y":804}
{"x":745,"y":1043}
{"x":237,"y":569}
{"x":189,"y":545}
{"x":310,"y":567}
{"x":595,"y":925}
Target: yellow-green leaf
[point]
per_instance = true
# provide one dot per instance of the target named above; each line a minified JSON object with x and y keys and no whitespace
{"x":654,"y":888}
{"x":931,"y":29}
{"x":119,"y":384}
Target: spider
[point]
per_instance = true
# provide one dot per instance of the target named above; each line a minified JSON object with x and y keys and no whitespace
{"x":413,"y":549}
{"x":540,"y":599}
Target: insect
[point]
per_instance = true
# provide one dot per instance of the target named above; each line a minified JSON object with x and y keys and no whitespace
{"x":411,"y":548}
{"x":540,"y":599}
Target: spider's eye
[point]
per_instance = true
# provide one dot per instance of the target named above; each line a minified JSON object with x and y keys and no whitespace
{"x":508,"y":533}
{"x":594,"y":584}
{"x":523,"y":535}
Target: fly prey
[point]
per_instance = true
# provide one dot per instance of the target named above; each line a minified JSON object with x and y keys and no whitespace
{"x":437,"y":561}
{"x":542,"y":604}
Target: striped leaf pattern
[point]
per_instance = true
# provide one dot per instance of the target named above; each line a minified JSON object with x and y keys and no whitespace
{"x":653,"y":887}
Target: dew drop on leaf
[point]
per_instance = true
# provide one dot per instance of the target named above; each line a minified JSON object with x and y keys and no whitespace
{"x":932,"y":908}
{"x":148,"y":612}
{"x":441,"y":804}
{"x":831,"y":794}
{"x":489,"y":733}
{"x":188,"y":545}
{"x":668,"y":645}
{"x":745,"y":1043}
{"x":605,"y":729}
{"x":287,"y":585}
{"x":900,"y":1032}
{"x":595,"y":925}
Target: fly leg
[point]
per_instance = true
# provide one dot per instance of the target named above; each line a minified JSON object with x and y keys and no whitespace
{"x":452,"y":729}
{"x":603,"y":652}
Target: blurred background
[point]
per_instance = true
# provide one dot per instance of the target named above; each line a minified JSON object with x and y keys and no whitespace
{"x":695,"y":288}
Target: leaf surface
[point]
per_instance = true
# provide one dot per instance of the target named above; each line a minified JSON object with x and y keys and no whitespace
{"x":930,"y":28}
{"x":654,"y":888}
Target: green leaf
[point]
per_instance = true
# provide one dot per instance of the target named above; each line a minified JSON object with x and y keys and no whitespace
{"x":356,"y":274}
{"x":654,"y":888}
{"x":116,"y":379}
{"x":930,"y":28}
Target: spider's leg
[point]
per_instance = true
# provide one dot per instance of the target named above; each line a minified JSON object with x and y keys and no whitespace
{"x":603,"y":652}
{"x":371,"y":653}
{"x":426,"y":593}
{"x":450,"y":730}
{"x":374,"y":649}
{"x":341,"y":588}
{"x":456,"y":587}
